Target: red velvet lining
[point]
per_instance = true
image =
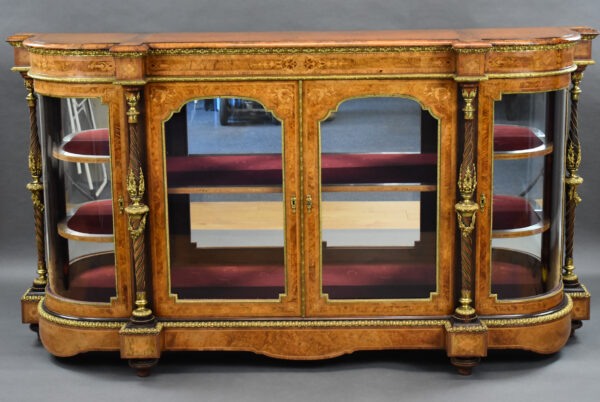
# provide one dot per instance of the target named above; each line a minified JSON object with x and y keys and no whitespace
{"x":511,"y":281}
{"x":199,"y":170}
{"x":89,"y":142}
{"x":93,"y":218}
{"x":506,"y":138}
{"x":506,"y":273}
{"x":509,"y":213}
{"x":340,"y":281}
{"x":514,"y":138}
{"x":512,"y":212}
{"x":274,"y":276}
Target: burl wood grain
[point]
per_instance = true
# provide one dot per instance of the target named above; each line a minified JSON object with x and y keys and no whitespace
{"x":276,"y":79}
{"x":161,"y":101}
{"x":321,"y":97}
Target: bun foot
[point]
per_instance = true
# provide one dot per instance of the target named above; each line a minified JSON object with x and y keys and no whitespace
{"x":464,"y":364}
{"x":575,"y":324}
{"x":142,"y":366}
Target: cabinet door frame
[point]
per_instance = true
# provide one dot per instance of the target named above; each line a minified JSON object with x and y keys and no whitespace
{"x":486,"y":302}
{"x":162,"y":100}
{"x":121,"y":305}
{"x":319,"y":99}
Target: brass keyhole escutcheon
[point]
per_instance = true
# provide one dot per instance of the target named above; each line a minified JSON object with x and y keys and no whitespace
{"x":293,"y":203}
{"x":121,"y":205}
{"x":482,"y":201}
{"x":308,"y":203}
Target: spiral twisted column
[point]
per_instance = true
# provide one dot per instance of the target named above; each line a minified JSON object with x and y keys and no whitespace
{"x":572,"y":180}
{"x":36,"y":187}
{"x":466,"y":207}
{"x":137,"y":211}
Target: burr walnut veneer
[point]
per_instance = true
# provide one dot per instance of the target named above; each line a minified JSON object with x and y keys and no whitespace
{"x":305,"y":194}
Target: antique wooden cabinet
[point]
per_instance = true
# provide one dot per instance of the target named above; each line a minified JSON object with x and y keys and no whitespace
{"x":305,"y":195}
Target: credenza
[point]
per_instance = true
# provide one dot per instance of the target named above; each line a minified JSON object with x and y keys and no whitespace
{"x":305,"y":194}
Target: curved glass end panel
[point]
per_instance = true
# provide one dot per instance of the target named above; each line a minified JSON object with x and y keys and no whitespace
{"x":78,"y":199}
{"x":379,"y":200}
{"x":529,"y":136}
{"x":225,"y":200}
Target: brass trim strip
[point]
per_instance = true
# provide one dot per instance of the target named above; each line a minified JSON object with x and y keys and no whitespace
{"x":585,"y":62}
{"x":80,"y":52}
{"x":125,"y":330}
{"x":304,"y":77}
{"x":530,"y":48}
{"x":473,"y":78}
{"x":533,"y":74}
{"x":301,"y":192}
{"x":480,"y":328}
{"x":84,"y":80}
{"x":501,"y":322}
{"x":20,"y":69}
{"x":134,"y":83}
{"x":579,"y":295}
{"x":510,"y":322}
{"x":298,"y":50}
{"x":77,"y":80}
{"x":304,"y":323}
{"x":588,"y":36}
{"x":31,"y":298}
{"x":75,"y":323}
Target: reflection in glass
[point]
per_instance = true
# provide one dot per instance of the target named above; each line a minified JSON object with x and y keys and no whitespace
{"x":225,"y":201}
{"x":78,"y":200}
{"x":379,"y":200}
{"x":529,"y":136}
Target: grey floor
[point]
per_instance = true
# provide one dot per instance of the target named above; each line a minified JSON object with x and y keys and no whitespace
{"x":28,"y":371}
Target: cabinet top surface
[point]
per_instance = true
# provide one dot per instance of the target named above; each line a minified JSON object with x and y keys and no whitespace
{"x":478,"y":38}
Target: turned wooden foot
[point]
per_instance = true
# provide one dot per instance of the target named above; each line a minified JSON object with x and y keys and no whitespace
{"x":142,"y":366}
{"x":575,"y":324}
{"x":465,"y":364}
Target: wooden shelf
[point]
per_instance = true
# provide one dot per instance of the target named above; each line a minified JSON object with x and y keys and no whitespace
{"x":92,"y":222}
{"x":89,"y":146}
{"x":224,"y":189}
{"x":61,"y":154}
{"x":539,"y":227}
{"x":519,"y":142}
{"x":67,"y":233}
{"x":327,"y":188}
{"x":334,"y":188}
{"x":542,"y":150}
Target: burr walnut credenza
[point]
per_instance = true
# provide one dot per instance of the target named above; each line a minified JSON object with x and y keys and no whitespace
{"x":305,"y":194}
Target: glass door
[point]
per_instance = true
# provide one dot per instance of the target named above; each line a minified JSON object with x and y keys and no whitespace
{"x":230,"y":178}
{"x":529,"y":149}
{"x":374,"y":200}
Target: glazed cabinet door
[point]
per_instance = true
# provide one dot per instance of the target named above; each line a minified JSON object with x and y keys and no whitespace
{"x":379,"y":163}
{"x":223,"y":202}
{"x":86,"y":233}
{"x":521,"y":260}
